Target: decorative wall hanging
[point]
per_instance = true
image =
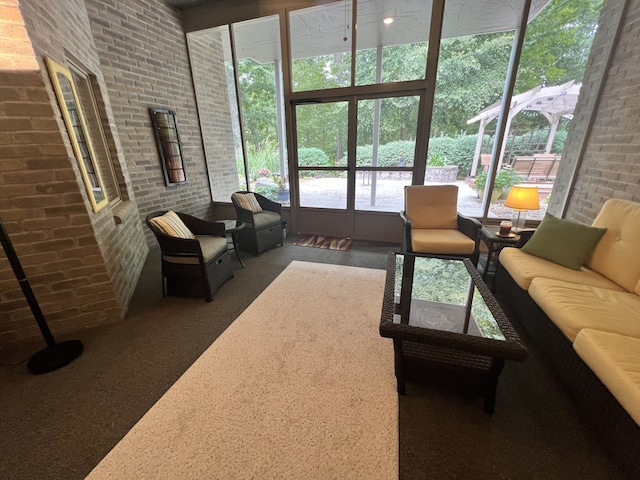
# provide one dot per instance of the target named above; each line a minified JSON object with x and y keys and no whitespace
{"x":169,"y":146}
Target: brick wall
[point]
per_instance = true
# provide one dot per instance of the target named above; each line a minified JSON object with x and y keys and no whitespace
{"x":209,"y":78}
{"x":144,"y":60}
{"x":82,"y":265}
{"x":610,"y":166}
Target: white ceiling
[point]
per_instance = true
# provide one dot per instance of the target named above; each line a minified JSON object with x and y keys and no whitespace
{"x":321,"y":29}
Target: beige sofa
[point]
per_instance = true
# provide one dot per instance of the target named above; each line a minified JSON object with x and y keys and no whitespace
{"x":586,"y":323}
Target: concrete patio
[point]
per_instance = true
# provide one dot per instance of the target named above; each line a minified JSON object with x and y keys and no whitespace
{"x":388,"y":196}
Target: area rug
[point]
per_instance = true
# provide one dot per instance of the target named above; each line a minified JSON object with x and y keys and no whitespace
{"x":319,"y":241}
{"x":300,"y":386}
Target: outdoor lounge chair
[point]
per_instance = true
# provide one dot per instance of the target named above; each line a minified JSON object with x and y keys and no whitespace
{"x":432,"y":224}
{"x":263,"y":222}
{"x":195,"y":257}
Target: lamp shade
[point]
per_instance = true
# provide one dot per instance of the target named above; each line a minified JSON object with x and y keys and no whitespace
{"x":523,"y":197}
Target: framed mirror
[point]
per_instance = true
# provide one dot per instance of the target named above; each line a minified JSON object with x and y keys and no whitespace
{"x":77,"y":128}
{"x":169,"y":146}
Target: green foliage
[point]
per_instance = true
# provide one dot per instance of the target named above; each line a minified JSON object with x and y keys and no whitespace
{"x":437,"y":159}
{"x":312,"y":157}
{"x":260,"y":156}
{"x":270,"y":191}
{"x":557,"y":44}
{"x":364,"y":155}
{"x":505,"y":178}
{"x":471,"y":76}
{"x":395,"y":154}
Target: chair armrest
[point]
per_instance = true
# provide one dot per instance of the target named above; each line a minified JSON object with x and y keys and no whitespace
{"x":179,"y":246}
{"x":202,"y":227}
{"x":269,"y":205}
{"x":243,"y":214}
{"x":406,"y":232}
{"x":469,"y":226}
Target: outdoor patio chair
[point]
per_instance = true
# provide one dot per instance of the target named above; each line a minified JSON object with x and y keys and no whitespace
{"x":195,"y":257}
{"x":432,"y":224}
{"x":263,"y":222}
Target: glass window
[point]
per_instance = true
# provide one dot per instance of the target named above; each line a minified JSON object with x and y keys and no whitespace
{"x":391,"y":41}
{"x":76,"y":124}
{"x":322,"y":154}
{"x":321,"y":46}
{"x":85,"y":87}
{"x":260,"y":92}
{"x":213,"y":78}
{"x":253,"y":112}
{"x":387,"y":131}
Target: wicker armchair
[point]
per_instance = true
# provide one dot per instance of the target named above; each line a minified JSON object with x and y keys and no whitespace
{"x":433,"y":226}
{"x":263,"y":222}
{"x":193,"y":266}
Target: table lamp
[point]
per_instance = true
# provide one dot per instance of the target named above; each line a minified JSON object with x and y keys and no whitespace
{"x":522,"y":198}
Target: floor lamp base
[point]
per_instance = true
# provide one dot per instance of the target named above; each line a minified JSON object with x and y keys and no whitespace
{"x":52,"y":358}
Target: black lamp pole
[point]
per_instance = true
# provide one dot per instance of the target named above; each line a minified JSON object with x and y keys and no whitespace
{"x":56,"y":355}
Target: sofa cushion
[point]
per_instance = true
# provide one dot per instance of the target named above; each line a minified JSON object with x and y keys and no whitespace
{"x":563,"y":242}
{"x":524,"y":268}
{"x":573,"y":307}
{"x":171,"y":224}
{"x":616,"y":255}
{"x":615,"y":360}
{"x":432,"y":206}
{"x":441,"y":241}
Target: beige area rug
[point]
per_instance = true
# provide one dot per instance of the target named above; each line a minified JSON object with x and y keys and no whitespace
{"x":320,"y":241}
{"x":300,"y":386}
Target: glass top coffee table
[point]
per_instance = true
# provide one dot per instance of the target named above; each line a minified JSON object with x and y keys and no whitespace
{"x":440,"y":314}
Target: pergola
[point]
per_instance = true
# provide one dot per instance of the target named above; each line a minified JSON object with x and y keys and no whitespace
{"x":553,"y":103}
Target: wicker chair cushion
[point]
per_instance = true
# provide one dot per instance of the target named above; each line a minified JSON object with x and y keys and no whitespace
{"x":441,"y":241}
{"x":211,"y":248}
{"x":614,"y":359}
{"x":265,"y":218}
{"x":616,"y":255}
{"x":171,"y":224}
{"x":563,"y":242}
{"x":432,"y":206}
{"x":572,"y":307}
{"x":524,"y":268}
{"x":247,"y":201}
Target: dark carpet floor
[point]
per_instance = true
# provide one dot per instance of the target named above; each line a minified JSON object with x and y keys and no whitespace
{"x":60,"y":425}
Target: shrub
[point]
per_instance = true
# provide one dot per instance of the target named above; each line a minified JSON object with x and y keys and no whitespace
{"x":269,"y":191}
{"x":437,"y":159}
{"x":396,"y":154}
{"x":312,"y":157}
{"x":364,"y":155}
{"x":505,"y":178}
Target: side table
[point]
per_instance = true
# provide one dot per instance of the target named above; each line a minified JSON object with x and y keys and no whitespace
{"x":232,"y":227}
{"x":495,"y":243}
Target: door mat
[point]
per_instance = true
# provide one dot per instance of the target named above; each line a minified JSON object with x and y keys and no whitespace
{"x":319,"y":241}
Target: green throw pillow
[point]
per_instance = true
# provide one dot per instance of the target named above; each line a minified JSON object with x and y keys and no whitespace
{"x":563,"y":242}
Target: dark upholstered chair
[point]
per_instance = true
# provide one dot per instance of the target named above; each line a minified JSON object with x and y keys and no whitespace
{"x":432,"y":224}
{"x":195,"y":257}
{"x":263,"y":222}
